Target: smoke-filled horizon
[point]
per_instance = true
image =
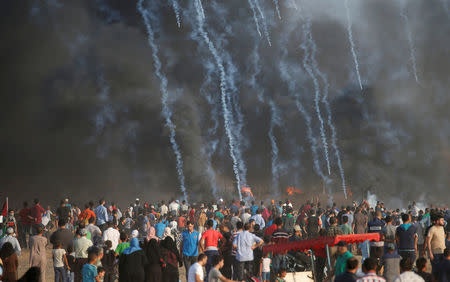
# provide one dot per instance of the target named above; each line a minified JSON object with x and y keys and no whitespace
{"x":194,"y":99}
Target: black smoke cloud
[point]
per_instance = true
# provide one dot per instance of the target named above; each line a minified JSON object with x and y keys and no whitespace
{"x":81,"y":113}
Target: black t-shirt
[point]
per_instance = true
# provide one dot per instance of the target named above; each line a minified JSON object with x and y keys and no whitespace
{"x":63,"y":213}
{"x":443,"y":271}
{"x":406,"y":237}
{"x":426,"y":276}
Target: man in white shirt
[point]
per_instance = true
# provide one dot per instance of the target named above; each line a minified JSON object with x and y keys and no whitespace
{"x":173,"y":207}
{"x":112,"y":235}
{"x":196,"y":270}
{"x":164,"y":209}
{"x":406,"y":273}
{"x":245,"y":217}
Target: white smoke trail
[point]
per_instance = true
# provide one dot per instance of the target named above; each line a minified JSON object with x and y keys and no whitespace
{"x":324,"y":79}
{"x":212,"y":141}
{"x":265,"y":28}
{"x":200,"y":8}
{"x":410,"y":40}
{"x":166,"y":111}
{"x":352,"y":44}
{"x":228,"y":119}
{"x":277,"y":8}
{"x":255,"y":16}
{"x":275,"y":120}
{"x":176,"y":9}
{"x":307,"y":38}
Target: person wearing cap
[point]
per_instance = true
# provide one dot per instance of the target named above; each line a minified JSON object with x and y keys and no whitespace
{"x":80,"y":246}
{"x":391,"y":263}
{"x":10,"y":237}
{"x":342,"y":258}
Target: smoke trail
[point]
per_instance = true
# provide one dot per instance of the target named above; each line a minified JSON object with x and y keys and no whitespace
{"x":176,"y":9}
{"x":277,"y":8}
{"x":275,"y":120}
{"x":228,"y":119}
{"x":266,"y":30}
{"x":255,"y":16}
{"x":106,"y":114}
{"x":211,"y":144}
{"x":324,"y":79}
{"x":410,"y":40}
{"x":310,"y":57}
{"x":352,"y":44}
{"x":200,"y":8}
{"x":290,"y":81}
{"x":166,"y":111}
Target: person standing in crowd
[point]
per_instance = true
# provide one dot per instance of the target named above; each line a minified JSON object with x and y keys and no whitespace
{"x":244,"y":243}
{"x":443,"y":267}
{"x":360,"y":221}
{"x":313,"y":224}
{"x":259,"y":219}
{"x":406,"y":273}
{"x":189,"y":246}
{"x":24,"y":224}
{"x":435,"y":241}
{"x":80,"y":246}
{"x":369,"y":267}
{"x":215,"y":275}
{"x":389,"y":231}
{"x":421,"y":266}
{"x":406,"y":238}
{"x":10,"y":262}
{"x":153,"y":270}
{"x":209,"y":243}
{"x":36,"y":213}
{"x":173,"y":261}
{"x":132,"y":263}
{"x":101,"y":213}
{"x":350,"y":271}
{"x":376,"y":225}
{"x":195,"y":273}
{"x":12,"y":240}
{"x":63,"y":212}
{"x":87,"y":213}
{"x":89,"y":270}
{"x":38,"y":254}
{"x":59,"y":261}
{"x":108,"y":262}
{"x":391,"y":263}
{"x":62,"y":235}
{"x":111,"y":234}
{"x":343,"y":256}
{"x":123,"y":244}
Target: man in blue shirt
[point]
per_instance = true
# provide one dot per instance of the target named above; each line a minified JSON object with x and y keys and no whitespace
{"x":244,"y":243}
{"x":159,"y":228}
{"x":189,"y":246}
{"x":377,"y":248}
{"x":101,"y":213}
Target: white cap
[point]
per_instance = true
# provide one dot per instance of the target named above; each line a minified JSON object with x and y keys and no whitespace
{"x":134,"y":234}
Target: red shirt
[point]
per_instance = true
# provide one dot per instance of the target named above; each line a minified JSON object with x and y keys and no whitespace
{"x":269,"y":231}
{"x":23,"y":214}
{"x":36,"y":213}
{"x":192,"y":215}
{"x":211,"y":238}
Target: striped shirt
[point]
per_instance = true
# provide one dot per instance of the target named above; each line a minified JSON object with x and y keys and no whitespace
{"x":371,"y":277}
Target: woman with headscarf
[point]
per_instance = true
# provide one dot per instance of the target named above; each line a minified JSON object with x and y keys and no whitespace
{"x":38,"y":252}
{"x":151,"y":234}
{"x":132,"y":263}
{"x":172,"y":260}
{"x":153,"y":270}
{"x":10,"y":262}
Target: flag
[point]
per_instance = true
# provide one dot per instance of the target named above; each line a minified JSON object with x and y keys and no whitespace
{"x":4,"y":212}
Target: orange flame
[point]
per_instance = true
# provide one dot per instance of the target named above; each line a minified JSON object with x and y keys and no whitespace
{"x":291,"y":190}
{"x":247,"y":190}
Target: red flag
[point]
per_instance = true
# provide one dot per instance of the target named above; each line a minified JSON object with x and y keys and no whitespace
{"x":5,"y":209}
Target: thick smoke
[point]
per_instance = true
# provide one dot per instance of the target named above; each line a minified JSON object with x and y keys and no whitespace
{"x":82,"y":104}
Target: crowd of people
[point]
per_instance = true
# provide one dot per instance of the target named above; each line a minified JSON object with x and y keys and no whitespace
{"x":223,"y":241}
